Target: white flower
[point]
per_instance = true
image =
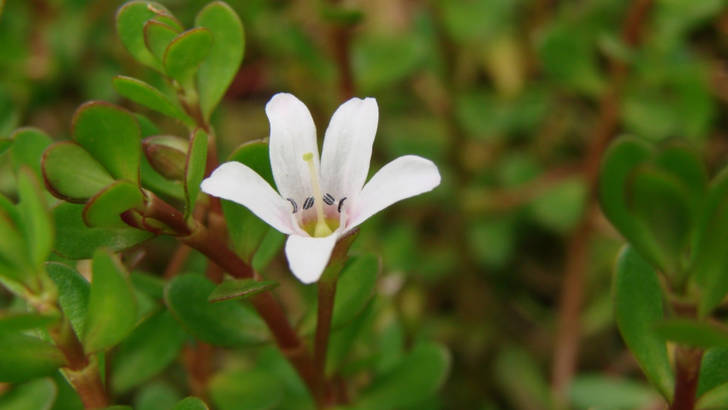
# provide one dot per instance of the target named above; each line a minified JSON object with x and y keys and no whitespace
{"x":318,"y":203}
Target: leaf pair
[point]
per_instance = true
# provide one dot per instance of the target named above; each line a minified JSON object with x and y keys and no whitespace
{"x":654,"y":198}
{"x":100,"y":167}
{"x":205,"y":58}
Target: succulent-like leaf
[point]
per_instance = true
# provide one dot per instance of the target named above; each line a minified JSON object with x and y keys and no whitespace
{"x":71,"y":173}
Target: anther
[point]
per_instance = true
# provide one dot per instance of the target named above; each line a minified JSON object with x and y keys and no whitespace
{"x":329,"y":199}
{"x":295,"y":207}
{"x":308,"y":203}
{"x":341,"y":203}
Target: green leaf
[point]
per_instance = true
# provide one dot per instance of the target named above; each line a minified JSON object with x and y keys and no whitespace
{"x":191,"y":403}
{"x":245,"y":390}
{"x":660,"y":202}
{"x":218,"y":70}
{"x":25,"y":321}
{"x":245,"y":229}
{"x":148,"y":350}
{"x":28,"y":146}
{"x":144,"y":94}
{"x":226,"y":323}
{"x":560,"y":207}
{"x":157,"y":36}
{"x":151,"y":285}
{"x":195,"y":168}
{"x":73,"y":293}
{"x":111,"y":135}
{"x":186,"y":52}
{"x":692,"y":333}
{"x":36,"y":395}
{"x":602,"y":392}
{"x":269,"y":247}
{"x":37,"y":223}
{"x":75,"y":240}
{"x":5,"y":144}
{"x":24,"y":357}
{"x":104,"y":208}
{"x":709,"y":262}
{"x":354,"y":288}
{"x":240,"y":289}
{"x":713,"y":371}
{"x":14,"y":262}
{"x":638,"y":306}
{"x":419,"y":375}
{"x":112,"y":307}
{"x":156,"y":395}
{"x":71,"y":173}
{"x":714,"y":399}
{"x":620,"y":160}
{"x":130,"y":20}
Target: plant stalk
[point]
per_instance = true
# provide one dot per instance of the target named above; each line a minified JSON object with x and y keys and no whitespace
{"x":687,"y":370}
{"x":212,"y":246}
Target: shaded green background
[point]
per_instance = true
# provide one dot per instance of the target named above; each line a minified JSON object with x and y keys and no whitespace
{"x":503,"y":95}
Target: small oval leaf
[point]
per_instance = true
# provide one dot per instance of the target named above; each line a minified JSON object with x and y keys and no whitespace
{"x":240,"y":289}
{"x":71,"y":173}
{"x":144,"y":94}
{"x":185,"y":53}
{"x":112,"y":307}
{"x":111,"y":135}
{"x":105,"y":208}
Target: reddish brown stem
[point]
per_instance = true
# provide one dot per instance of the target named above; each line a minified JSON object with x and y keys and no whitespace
{"x":212,"y":246}
{"x":566,"y":346}
{"x":326,"y":295}
{"x":687,"y":370}
{"x":82,"y":373}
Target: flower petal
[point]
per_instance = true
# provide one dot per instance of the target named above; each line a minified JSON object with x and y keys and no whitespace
{"x":347,"y":147}
{"x":292,"y":134}
{"x":308,"y":256}
{"x":402,"y":178}
{"x":238,"y":183}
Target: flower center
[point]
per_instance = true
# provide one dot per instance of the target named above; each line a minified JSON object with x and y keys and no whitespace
{"x":320,"y":229}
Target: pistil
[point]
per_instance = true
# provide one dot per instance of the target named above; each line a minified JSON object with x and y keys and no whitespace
{"x":321,"y":229}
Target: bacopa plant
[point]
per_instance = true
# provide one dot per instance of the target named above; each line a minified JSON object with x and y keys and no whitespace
{"x":100,"y":328}
{"x":672,"y":278}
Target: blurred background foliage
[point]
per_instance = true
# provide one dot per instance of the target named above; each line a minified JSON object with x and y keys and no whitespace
{"x":506,"y":96}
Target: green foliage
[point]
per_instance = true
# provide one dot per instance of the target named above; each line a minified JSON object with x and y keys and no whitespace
{"x":28,"y":146}
{"x":217,"y":71}
{"x":638,"y":307}
{"x":24,"y":357}
{"x":130,"y":21}
{"x":190,"y":403}
{"x":150,"y":348}
{"x":590,"y":391}
{"x":146,"y":95}
{"x":240,"y":289}
{"x":111,"y":135}
{"x":112,"y":307}
{"x":692,"y":333}
{"x":226,"y":323}
{"x":75,"y":240}
{"x":72,"y":173}
{"x":245,"y":390}
{"x":37,"y":394}
{"x":185,"y":53}
{"x":73,"y":294}
{"x":104,"y":208}
{"x":411,"y":381}
{"x":195,"y":167}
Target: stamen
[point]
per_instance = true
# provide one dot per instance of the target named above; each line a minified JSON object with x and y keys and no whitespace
{"x":322,"y":229}
{"x":341,"y":203}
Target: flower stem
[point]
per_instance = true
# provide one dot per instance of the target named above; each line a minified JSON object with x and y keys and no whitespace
{"x":200,"y":238}
{"x":687,"y":370}
{"x":325,"y":312}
